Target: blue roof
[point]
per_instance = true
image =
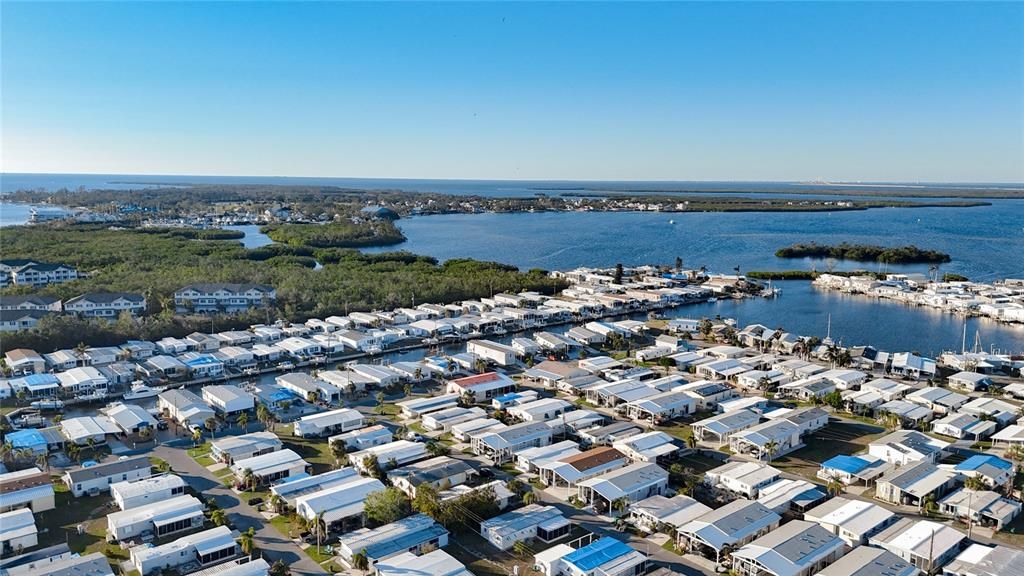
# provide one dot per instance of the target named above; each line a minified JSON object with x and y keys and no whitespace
{"x":26,"y":439}
{"x":848,"y":464}
{"x":205,"y":359}
{"x":282,"y":395}
{"x":508,"y":397}
{"x":597,"y":553}
{"x":979,"y":460}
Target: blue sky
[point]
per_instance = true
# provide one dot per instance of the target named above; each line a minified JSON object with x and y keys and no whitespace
{"x":694,"y":91}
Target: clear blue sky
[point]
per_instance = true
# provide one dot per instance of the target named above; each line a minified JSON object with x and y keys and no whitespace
{"x":713,"y":91}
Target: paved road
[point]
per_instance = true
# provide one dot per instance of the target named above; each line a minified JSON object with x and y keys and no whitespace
{"x":269,"y":541}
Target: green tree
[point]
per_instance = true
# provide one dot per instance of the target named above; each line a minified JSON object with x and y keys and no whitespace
{"x":386,"y":506}
{"x":360,"y":561}
{"x":427,"y":501}
{"x":340,"y":451}
{"x":247,"y":541}
{"x":243,"y":421}
{"x":218,"y":517}
{"x":279,"y":568}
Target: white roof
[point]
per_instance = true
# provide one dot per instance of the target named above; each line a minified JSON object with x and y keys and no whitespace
{"x":145,"y":485}
{"x":87,"y":426}
{"x":856,"y":516}
{"x":206,"y":541}
{"x":341,"y":500}
{"x":17,"y":524}
{"x":435,"y":563}
{"x":624,"y":481}
{"x":269,"y":463}
{"x":172,"y":508}
{"x":792,"y":548}
{"x":919,"y":537}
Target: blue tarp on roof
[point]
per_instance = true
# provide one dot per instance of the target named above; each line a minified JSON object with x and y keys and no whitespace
{"x":26,"y":439}
{"x":848,"y":464}
{"x":203,"y":360}
{"x":508,"y":397}
{"x":597,"y":553}
{"x":979,"y":460}
{"x":282,"y":395}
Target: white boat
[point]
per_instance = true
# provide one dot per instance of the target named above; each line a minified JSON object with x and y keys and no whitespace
{"x":671,"y":221}
{"x":250,"y":371}
{"x":140,"y":391}
{"x":286,"y":366}
{"x":47,"y":405}
{"x":712,"y":299}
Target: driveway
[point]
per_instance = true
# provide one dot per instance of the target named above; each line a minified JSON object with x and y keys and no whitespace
{"x":273,"y":545}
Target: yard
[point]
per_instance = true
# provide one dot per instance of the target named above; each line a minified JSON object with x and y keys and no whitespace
{"x":313,"y":450}
{"x":201,"y":454}
{"x":838,"y":437}
{"x":61,"y":524}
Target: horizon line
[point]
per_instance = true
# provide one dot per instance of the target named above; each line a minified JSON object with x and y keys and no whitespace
{"x":595,"y":180}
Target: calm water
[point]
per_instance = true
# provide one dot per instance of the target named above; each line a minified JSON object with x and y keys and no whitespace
{"x":986,"y":243}
{"x":10,"y":182}
{"x":15,"y":214}
{"x":253,"y":237}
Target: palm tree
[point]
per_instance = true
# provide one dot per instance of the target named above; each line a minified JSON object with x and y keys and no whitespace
{"x":974,"y":483}
{"x":243,"y":421}
{"x":529,"y":497}
{"x":247,"y":541}
{"x":320,"y":527}
{"x":74,"y":451}
{"x":211,"y":425}
{"x":691,"y":440}
{"x":43,"y":462}
{"x":380,"y":402}
{"x":929,"y":506}
{"x":891,"y":421}
{"x":360,"y":561}
{"x":312,"y":397}
{"x":770,"y":448}
{"x":274,"y":502}
{"x":279,"y":568}
{"x":619,"y":505}
{"x":6,"y":451}
{"x":835,"y":486}
{"x":218,"y":517}
{"x":407,"y":389}
{"x":340,"y":450}
{"x":249,"y":479}
{"x":197,"y":437}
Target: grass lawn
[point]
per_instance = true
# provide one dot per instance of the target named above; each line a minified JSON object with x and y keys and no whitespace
{"x":670,"y":545}
{"x":418,"y":428}
{"x":201,"y":450}
{"x":700,"y":463}
{"x":159,"y":463}
{"x":283,"y":525}
{"x":313,"y":450}
{"x":389,"y":409}
{"x":836,"y":438}
{"x":675,"y":429}
{"x":205,"y":460}
{"x":61,"y":525}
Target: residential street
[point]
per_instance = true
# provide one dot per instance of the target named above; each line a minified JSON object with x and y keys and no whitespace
{"x":269,"y":541}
